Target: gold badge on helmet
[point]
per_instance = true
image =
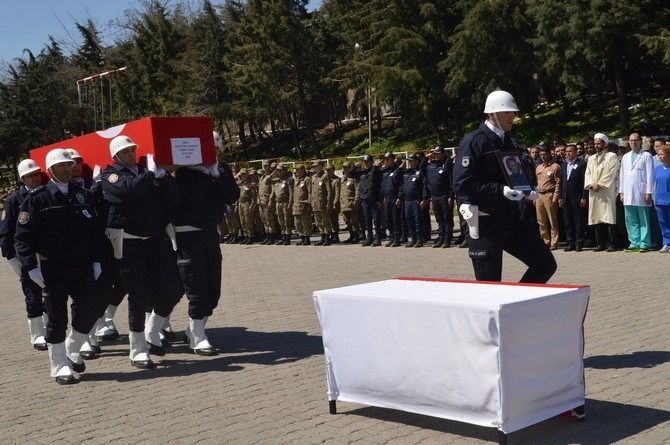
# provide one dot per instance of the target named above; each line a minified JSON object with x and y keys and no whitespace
{"x":24,"y":217}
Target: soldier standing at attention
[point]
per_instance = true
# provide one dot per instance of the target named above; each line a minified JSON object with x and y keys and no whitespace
{"x":302,"y":212}
{"x":321,"y":198}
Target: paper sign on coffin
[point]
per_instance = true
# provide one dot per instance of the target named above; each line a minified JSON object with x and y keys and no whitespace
{"x":172,"y":140}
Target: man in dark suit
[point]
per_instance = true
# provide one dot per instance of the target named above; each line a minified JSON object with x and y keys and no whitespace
{"x":573,"y":198}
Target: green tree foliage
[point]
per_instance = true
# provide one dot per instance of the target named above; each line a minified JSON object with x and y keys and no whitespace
{"x":271,"y":73}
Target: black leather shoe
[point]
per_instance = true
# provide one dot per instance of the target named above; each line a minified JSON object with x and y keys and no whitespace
{"x":206,"y":352}
{"x":65,"y":380}
{"x":579,"y":249}
{"x":376,"y":243}
{"x":569,"y":249}
{"x":41,"y":346}
{"x":113,"y":335}
{"x":169,"y":335}
{"x":156,"y":350}
{"x":610,"y":249}
{"x":77,"y":367}
{"x":464,"y":244}
{"x":438,"y":243}
{"x":600,"y":249}
{"x":143,"y":364}
{"x":89,"y":355}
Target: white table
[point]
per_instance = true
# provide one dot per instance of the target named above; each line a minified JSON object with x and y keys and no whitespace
{"x":500,"y":355}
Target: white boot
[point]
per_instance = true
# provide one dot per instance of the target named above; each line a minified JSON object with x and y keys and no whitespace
{"x":139,"y":352}
{"x":37,"y":333}
{"x":73,"y":343}
{"x":166,"y":331}
{"x":198,"y":339}
{"x":109,"y":318}
{"x":59,"y":365}
{"x":104,"y":332}
{"x":152,"y":329}
{"x":90,"y":349}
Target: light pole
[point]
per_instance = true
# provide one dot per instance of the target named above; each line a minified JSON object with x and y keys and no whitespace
{"x":368,"y":93}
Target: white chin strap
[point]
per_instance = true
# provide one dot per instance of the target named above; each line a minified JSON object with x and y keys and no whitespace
{"x":55,"y":179}
{"x":495,"y":118}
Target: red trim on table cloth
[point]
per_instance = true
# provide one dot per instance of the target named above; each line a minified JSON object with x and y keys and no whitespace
{"x":504,"y":283}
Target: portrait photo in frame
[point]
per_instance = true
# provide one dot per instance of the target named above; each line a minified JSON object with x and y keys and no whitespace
{"x":515,"y":173}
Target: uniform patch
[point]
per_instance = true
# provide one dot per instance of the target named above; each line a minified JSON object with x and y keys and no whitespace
{"x":24,"y":217}
{"x":482,"y":253}
{"x":183,"y":262}
{"x":465,"y":161}
{"x":113,"y":178}
{"x":80,"y":198}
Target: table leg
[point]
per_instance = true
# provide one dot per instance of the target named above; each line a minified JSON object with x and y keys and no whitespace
{"x":332,"y":405}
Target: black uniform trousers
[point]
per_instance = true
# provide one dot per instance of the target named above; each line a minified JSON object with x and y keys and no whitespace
{"x":199,"y":261}
{"x":574,"y":219}
{"x":414,"y":220}
{"x":149,"y":272}
{"x":371,"y":215}
{"x":63,"y":281}
{"x":444,"y":215}
{"x":109,"y":283}
{"x":393,"y":217}
{"x":33,"y":296}
{"x":516,"y":237}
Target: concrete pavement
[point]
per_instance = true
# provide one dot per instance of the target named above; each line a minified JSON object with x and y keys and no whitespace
{"x":268,"y":384}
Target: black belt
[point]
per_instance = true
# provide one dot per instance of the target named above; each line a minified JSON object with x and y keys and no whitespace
{"x":548,"y":191}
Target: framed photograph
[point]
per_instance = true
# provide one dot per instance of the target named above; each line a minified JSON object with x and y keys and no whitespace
{"x":515,"y":173}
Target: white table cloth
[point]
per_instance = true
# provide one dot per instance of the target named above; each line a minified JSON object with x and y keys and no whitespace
{"x":501,"y":355}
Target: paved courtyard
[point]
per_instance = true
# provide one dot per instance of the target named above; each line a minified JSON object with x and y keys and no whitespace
{"x":268,"y":385}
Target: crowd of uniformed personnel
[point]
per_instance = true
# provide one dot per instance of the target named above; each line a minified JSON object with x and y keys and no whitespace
{"x":387,"y":199}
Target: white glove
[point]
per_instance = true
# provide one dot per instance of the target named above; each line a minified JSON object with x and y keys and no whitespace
{"x":16,"y":265}
{"x":214,"y":169}
{"x":36,"y":275}
{"x":513,"y":195}
{"x":199,"y":168}
{"x":532,"y":195}
{"x":97,"y":270}
{"x":97,"y":173}
{"x":152,"y":167}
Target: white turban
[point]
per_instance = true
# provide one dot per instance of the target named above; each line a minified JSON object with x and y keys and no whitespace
{"x":602,"y":137}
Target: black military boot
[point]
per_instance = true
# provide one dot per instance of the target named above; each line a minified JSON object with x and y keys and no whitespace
{"x":300,"y":241}
{"x":396,"y":241}
{"x":412,"y":242}
{"x":287,"y":239}
{"x":377,"y":241}
{"x":438,"y":243}
{"x":335,"y":238}
{"x":306,"y":241}
{"x":266,"y":240}
{"x":326,"y":240}
{"x":321,"y":241}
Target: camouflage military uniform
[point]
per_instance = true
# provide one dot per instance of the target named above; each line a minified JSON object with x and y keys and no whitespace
{"x":350,"y":198}
{"x":302,"y":212}
{"x":282,"y":196}
{"x":321,"y":198}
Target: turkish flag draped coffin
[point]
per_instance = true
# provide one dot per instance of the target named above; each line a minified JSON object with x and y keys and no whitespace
{"x":174,"y":141}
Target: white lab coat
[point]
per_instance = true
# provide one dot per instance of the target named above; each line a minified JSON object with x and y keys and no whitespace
{"x":602,"y":170}
{"x":636,"y":180}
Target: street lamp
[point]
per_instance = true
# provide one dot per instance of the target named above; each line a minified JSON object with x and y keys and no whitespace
{"x":368,"y":93}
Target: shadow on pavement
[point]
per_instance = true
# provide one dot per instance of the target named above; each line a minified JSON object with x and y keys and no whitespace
{"x":236,"y":346}
{"x":606,"y":423}
{"x":639,"y":359}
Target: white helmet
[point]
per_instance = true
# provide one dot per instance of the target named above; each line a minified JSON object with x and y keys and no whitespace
{"x":58,"y":156}
{"x":28,"y":166}
{"x":217,"y":139}
{"x":74,"y":153}
{"x":500,"y":101}
{"x":119,"y":143}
